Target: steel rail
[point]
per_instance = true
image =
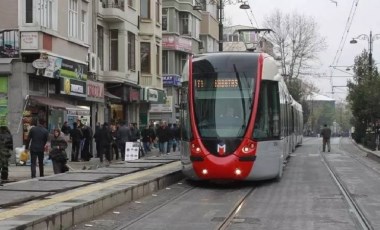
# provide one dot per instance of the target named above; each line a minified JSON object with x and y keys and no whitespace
{"x":361,"y":220}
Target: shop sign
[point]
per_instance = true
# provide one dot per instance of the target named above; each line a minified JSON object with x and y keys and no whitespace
{"x":134,"y":94}
{"x":73,"y":87}
{"x":29,"y":40}
{"x":152,"y":95}
{"x":167,"y":107}
{"x":176,"y":43}
{"x":171,"y":80}
{"x":59,"y":67}
{"x":40,"y":63}
{"x":9,"y":44}
{"x":95,"y":90}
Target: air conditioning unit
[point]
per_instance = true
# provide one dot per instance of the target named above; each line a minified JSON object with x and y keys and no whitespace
{"x":92,"y":62}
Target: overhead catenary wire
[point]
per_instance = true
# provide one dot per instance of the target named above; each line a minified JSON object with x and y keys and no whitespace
{"x":343,"y":40}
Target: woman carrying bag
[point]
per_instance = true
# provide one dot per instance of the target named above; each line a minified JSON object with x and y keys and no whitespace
{"x":57,"y":154}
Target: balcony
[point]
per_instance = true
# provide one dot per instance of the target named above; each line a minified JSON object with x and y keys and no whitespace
{"x":112,"y":10}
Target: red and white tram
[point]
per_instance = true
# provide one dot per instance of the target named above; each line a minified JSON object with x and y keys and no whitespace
{"x":239,"y":121}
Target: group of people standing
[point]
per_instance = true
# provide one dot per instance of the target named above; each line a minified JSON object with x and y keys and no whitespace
{"x":110,"y":140}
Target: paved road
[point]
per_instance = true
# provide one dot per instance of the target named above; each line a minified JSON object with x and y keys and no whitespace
{"x":306,"y":198}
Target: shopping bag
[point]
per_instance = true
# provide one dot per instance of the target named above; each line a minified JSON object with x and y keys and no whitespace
{"x":24,"y":156}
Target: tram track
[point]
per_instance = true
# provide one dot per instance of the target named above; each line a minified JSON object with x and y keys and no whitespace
{"x":235,"y":210}
{"x":360,"y":218}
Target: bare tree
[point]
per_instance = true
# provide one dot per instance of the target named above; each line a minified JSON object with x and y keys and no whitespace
{"x":297,"y":40}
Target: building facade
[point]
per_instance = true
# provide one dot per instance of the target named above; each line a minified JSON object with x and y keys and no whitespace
{"x":48,"y":62}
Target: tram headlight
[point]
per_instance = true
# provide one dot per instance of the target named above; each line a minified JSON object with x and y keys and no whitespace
{"x":248,"y":147}
{"x":237,"y":172}
{"x":204,"y":171}
{"x":195,"y":148}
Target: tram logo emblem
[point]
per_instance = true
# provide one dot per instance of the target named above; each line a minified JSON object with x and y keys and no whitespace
{"x":221,"y":148}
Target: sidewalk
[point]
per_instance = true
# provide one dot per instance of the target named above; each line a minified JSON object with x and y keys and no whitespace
{"x":18,"y":173}
{"x":62,"y":200}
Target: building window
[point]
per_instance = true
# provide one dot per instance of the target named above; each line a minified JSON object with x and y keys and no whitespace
{"x":157,"y":60}
{"x":83,"y":26}
{"x":165,"y":69}
{"x":29,"y":11}
{"x":101,"y":46}
{"x":145,"y":9}
{"x":131,"y":3}
{"x":157,"y":10}
{"x":145,"y":57}
{"x":131,"y":51}
{"x":184,"y":58}
{"x":184,"y":25}
{"x":114,"y":54}
{"x":46,"y":13}
{"x":73,"y":18}
{"x":165,"y":19}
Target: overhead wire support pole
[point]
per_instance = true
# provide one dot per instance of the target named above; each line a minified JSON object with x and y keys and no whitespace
{"x":221,"y":17}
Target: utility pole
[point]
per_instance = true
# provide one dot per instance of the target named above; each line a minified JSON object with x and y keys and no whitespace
{"x":221,"y":17}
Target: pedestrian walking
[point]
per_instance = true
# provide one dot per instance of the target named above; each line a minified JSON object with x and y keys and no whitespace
{"x":176,"y":134}
{"x":65,"y":128}
{"x":326,"y":134}
{"x":114,"y":144}
{"x":146,"y":138}
{"x":163,"y":134}
{"x":105,"y":143}
{"x":37,"y":139}
{"x":76,"y":137}
{"x":6,"y":146}
{"x":86,"y":154}
{"x":57,"y":153}
{"x":123,"y":135}
{"x":98,"y":127}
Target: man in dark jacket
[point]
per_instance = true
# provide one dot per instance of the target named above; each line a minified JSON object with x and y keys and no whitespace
{"x":163,"y":134}
{"x":326,"y":134}
{"x":37,"y":138}
{"x":76,"y":136}
{"x":123,"y":135}
{"x":105,"y":143}
{"x":6,"y":145}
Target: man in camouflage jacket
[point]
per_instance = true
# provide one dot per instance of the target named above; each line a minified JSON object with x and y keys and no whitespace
{"x":6,"y":146}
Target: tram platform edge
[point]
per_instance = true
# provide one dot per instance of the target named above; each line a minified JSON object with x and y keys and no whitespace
{"x":63,"y":200}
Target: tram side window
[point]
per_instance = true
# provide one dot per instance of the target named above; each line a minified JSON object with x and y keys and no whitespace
{"x":267,"y":124}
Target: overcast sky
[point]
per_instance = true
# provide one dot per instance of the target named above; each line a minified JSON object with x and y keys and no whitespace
{"x":332,"y":19}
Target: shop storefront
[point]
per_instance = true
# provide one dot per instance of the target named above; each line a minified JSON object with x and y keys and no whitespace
{"x":172,"y":85}
{"x":122,"y":102}
{"x":151,"y":97}
{"x":50,"y":110}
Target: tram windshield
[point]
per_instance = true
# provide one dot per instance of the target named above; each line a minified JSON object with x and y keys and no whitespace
{"x":223,"y":102}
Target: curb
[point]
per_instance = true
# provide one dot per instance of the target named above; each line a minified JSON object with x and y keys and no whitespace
{"x":370,"y":154}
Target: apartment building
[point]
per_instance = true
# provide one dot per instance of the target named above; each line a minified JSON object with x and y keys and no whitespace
{"x":44,"y":69}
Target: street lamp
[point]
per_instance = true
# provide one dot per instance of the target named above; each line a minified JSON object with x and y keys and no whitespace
{"x":370,"y":40}
{"x":244,"y":5}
